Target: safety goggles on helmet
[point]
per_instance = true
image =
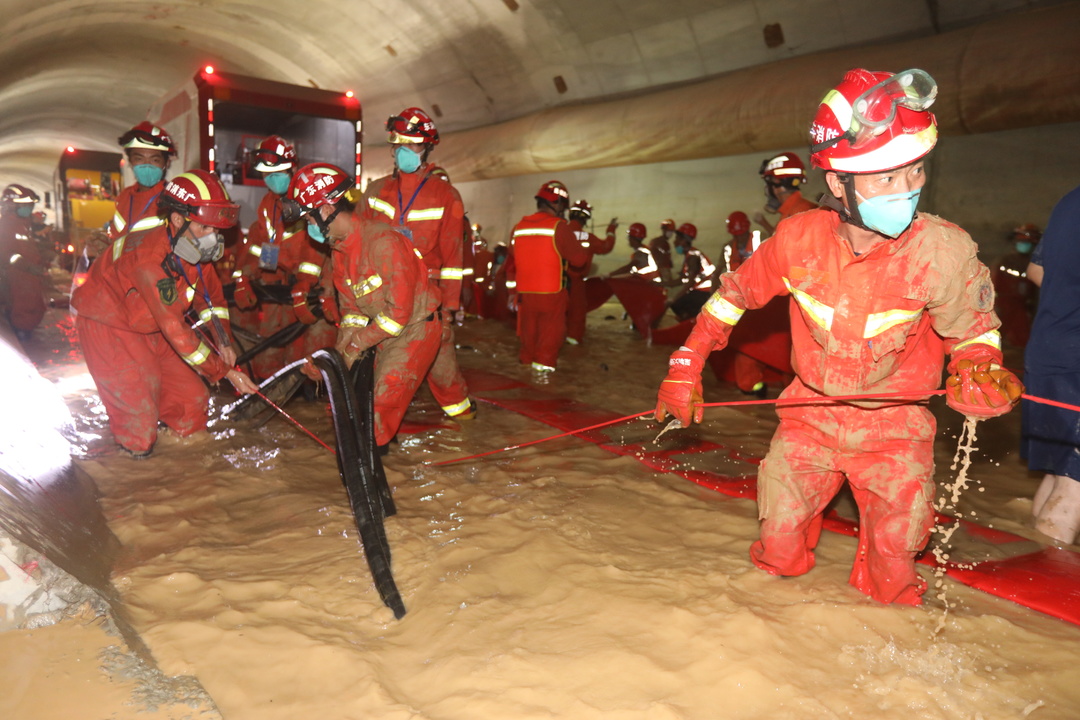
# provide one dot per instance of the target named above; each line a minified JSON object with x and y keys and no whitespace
{"x":413,"y":126}
{"x":216,"y":215}
{"x":875,"y":109}
{"x":147,"y":136}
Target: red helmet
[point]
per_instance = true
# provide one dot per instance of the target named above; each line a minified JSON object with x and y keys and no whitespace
{"x":148,"y":136}
{"x":1028,"y":231}
{"x":637,"y":231}
{"x":582,"y":207}
{"x":199,"y":196}
{"x":553,"y":191}
{"x":318,"y":184}
{"x":668,"y":224}
{"x":18,"y":195}
{"x":784,"y":169}
{"x":687,"y":229}
{"x":738,"y":223}
{"x":874,"y":122}
{"x":412,"y":126}
{"x":439,"y":172}
{"x":274,"y":154}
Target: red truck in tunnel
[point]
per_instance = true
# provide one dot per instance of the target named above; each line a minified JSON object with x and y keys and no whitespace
{"x":218,"y":118}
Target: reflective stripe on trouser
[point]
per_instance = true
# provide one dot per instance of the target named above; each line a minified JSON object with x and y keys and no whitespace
{"x":274,"y":317}
{"x":445,"y":380}
{"x":541,"y":327}
{"x":887,"y":457}
{"x":576,"y":308}
{"x":401,"y":363}
{"x":142,"y":380}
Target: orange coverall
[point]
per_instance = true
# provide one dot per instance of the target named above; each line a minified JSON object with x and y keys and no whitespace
{"x":431,"y":214}
{"x":542,"y":247}
{"x":144,"y":357}
{"x":877,"y":323}
{"x":22,"y":275}
{"x":136,"y":209}
{"x":300,"y":265}
{"x":387,"y":302}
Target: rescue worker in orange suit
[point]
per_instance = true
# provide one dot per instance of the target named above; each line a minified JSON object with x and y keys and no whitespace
{"x":483,"y":271}
{"x":879,"y":294}
{"x":749,"y":372}
{"x":577,"y":302}
{"x":1016,"y":295}
{"x":143,"y":355}
{"x":429,"y":212}
{"x":783,"y":174}
{"x":22,"y":266}
{"x":697,"y":274}
{"x":387,"y":300}
{"x":741,"y":245}
{"x":149,"y":151}
{"x":642,"y":264}
{"x":279,"y":258}
{"x":660,"y":247}
{"x":542,"y":247}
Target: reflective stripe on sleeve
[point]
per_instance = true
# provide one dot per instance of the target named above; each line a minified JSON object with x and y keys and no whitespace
{"x":307,"y":268}
{"x":723,"y":310}
{"x":199,"y":356}
{"x":205,"y":315}
{"x":819,"y":312}
{"x":388,"y":324}
{"x":511,"y":284}
{"x":448,"y":273}
{"x":118,"y":222}
{"x":991,"y":338}
{"x":118,"y":247}
{"x":255,"y":250}
{"x":370,"y":285}
{"x":147,"y":223}
{"x":382,"y":206}
{"x":357,"y":321}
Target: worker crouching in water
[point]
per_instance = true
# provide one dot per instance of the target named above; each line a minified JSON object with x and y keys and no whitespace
{"x":577,"y":298}
{"x":542,"y":246}
{"x":878,"y":293}
{"x":143,"y":355}
{"x":385,"y":297}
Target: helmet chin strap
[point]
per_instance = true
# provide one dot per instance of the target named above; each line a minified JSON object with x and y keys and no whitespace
{"x":850,"y":213}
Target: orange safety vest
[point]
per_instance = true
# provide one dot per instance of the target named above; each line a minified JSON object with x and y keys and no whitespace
{"x":538,"y":262}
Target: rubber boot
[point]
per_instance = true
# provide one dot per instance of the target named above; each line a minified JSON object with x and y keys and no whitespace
{"x":1059,"y":516}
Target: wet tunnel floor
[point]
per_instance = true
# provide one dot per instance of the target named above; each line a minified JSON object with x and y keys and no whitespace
{"x":552,"y":581}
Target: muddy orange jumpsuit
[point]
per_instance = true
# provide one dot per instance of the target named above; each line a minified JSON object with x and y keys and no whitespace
{"x":660,"y":249}
{"x":795,"y":204}
{"x":431,"y":214}
{"x":136,"y":209}
{"x":297,"y":268}
{"x":483,"y":270}
{"x":143,"y":355}
{"x":541,"y":248}
{"x":387,"y":302}
{"x":577,"y":302}
{"x":877,"y":323}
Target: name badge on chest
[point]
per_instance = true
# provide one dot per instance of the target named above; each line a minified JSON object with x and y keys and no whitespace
{"x":268,"y":257}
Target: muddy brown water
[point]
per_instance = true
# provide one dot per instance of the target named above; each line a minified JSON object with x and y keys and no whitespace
{"x":553,"y":581}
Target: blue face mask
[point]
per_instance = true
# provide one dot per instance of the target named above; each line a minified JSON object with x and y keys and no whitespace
{"x":680,"y":250}
{"x":315,"y":232}
{"x":1024,"y":247}
{"x":148,"y":175}
{"x":406,"y":160}
{"x":277,"y":182}
{"x":24,"y":211}
{"x":890,"y":215}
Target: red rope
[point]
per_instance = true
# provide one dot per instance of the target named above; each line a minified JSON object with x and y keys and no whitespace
{"x":779,"y":401}
{"x":295,"y":422}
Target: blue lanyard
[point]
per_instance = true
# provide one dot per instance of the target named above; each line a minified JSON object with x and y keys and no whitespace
{"x":404,"y":210}
{"x":131,"y":206}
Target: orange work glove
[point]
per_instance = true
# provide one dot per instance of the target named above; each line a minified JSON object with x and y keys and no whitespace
{"x":680,"y":392}
{"x":244,"y":295}
{"x":330,"y":311}
{"x":301,"y":308}
{"x":982,"y":389}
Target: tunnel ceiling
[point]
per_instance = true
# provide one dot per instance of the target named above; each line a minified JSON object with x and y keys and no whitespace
{"x":80,"y":73}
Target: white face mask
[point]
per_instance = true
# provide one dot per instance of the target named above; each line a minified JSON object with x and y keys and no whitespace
{"x":205,"y":248}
